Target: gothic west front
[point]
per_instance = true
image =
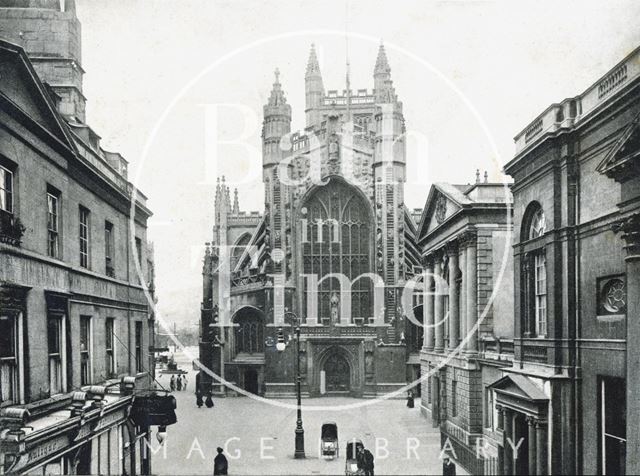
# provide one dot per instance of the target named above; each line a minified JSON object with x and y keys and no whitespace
{"x":334,"y":248}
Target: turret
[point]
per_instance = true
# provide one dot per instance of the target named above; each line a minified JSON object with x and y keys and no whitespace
{"x":314,"y":90}
{"x":382,"y":76}
{"x":389,"y":119}
{"x":276,"y":124}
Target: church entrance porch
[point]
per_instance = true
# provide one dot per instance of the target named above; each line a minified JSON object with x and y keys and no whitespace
{"x":335,"y":367}
{"x":337,"y":375}
{"x":251,"y":381}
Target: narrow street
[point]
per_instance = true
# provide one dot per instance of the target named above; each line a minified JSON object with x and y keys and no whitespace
{"x":259,"y":439}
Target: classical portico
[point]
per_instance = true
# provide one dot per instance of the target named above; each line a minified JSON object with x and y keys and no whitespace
{"x":462,"y":235}
{"x":450,"y":304}
{"x":522,"y":420}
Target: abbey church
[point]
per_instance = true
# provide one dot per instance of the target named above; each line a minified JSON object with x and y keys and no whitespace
{"x":330,"y":253}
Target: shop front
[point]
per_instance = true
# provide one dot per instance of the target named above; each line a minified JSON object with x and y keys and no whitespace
{"x":93,"y":432}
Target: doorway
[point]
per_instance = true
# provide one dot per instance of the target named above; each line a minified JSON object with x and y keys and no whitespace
{"x":251,"y":381}
{"x":337,"y":374}
{"x":521,"y":438}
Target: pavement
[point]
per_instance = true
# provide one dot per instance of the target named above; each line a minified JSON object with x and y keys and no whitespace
{"x":259,"y":438}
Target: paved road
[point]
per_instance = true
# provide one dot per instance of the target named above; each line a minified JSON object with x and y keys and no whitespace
{"x":259,"y":438}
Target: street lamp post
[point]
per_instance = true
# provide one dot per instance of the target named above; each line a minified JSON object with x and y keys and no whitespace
{"x":299,"y":431}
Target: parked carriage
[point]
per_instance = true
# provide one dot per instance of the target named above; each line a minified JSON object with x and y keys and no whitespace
{"x":351,"y":465}
{"x":329,"y":445}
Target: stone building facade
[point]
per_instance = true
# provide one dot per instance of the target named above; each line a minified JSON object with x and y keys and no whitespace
{"x":76,"y":328}
{"x":333,"y":206}
{"x":569,"y":395}
{"x":465,"y":239}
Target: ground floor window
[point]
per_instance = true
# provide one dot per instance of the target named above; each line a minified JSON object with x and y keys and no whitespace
{"x":56,"y":349}
{"x":612,"y":425}
{"x":138,"y":347}
{"x":86,"y":351}
{"x":9,"y":359}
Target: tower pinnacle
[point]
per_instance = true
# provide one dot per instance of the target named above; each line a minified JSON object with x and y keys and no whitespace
{"x":236,"y":205}
{"x":314,"y":89}
{"x":382,"y":83}
{"x":313,"y":67}
{"x":277,"y":94}
{"x":382,"y":64}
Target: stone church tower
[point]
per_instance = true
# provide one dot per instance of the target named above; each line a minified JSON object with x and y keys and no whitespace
{"x":334,"y":246}
{"x":49,"y":31}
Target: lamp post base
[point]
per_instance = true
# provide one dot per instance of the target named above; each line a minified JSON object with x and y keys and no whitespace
{"x":299,"y":454}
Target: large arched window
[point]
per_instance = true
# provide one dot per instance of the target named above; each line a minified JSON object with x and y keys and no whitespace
{"x":535,"y":274}
{"x":249,"y":332}
{"x":238,"y":249}
{"x":337,"y":239}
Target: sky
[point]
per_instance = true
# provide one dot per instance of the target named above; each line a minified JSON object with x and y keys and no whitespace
{"x":164,"y":79}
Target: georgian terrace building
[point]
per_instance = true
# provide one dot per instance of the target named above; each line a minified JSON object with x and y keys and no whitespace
{"x":75,"y":325}
{"x":465,"y":239}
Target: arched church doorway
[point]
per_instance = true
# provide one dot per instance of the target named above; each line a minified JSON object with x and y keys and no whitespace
{"x":337,"y":374}
{"x":251,"y":381}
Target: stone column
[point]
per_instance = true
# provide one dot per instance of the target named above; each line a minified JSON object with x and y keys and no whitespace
{"x":531,"y":442}
{"x":462,"y":312}
{"x":428,"y":307}
{"x":454,"y":311}
{"x":472,"y":292}
{"x":541,"y":447}
{"x":438,"y":307}
{"x":507,"y":433}
{"x":630,"y":228}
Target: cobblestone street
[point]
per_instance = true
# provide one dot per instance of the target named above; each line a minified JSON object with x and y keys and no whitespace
{"x":406,"y":442}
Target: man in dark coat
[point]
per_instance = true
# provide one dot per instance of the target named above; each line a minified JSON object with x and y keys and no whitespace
{"x":448,"y":467}
{"x":199,"y":400}
{"x":209,"y":401}
{"x":220,"y":463}
{"x":367,"y":456}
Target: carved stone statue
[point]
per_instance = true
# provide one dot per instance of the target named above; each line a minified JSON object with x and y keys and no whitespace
{"x":335,"y":303}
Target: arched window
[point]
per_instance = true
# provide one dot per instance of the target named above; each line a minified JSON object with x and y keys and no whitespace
{"x":415,"y":332}
{"x":238,"y":249}
{"x":534,"y":223}
{"x":338,"y":240}
{"x":535,"y":274}
{"x":249,"y":332}
{"x":538,"y":225}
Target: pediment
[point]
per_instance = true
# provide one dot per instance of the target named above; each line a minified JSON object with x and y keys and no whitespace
{"x":22,"y":88}
{"x":442,"y":203}
{"x":520,"y":387}
{"x":623,"y":159}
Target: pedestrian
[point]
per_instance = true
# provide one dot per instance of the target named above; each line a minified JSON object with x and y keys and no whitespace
{"x":172,"y":383}
{"x":199,"y":398}
{"x":179,"y":383}
{"x":220,"y":463}
{"x":184,"y":382}
{"x":209,"y":401}
{"x":410,"y":399}
{"x":448,"y":467}
{"x":367,"y":456}
{"x":360,"y":460}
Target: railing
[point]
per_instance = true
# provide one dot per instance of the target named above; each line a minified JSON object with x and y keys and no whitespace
{"x":534,"y":353}
{"x":11,"y":229}
{"x":570,"y":111}
{"x":500,"y":349}
{"x":533,"y":130}
{"x":325,"y":331}
{"x":612,"y":81}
